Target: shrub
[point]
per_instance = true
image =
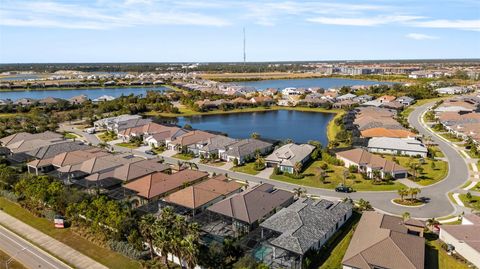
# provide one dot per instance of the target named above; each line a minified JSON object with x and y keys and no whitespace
{"x":276,"y":171}
{"x":294,"y":176}
{"x":127,"y":249}
{"x":9,"y":195}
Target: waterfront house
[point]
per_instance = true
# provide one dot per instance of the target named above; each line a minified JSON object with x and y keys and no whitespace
{"x":384,"y":241}
{"x":78,"y":100}
{"x":464,"y":237}
{"x":190,"y":141}
{"x":348,"y":96}
{"x":303,"y":226}
{"x":367,"y":162}
{"x":25,"y":101}
{"x":198,"y":197}
{"x":287,"y":156}
{"x":4,"y":102}
{"x":384,"y":132}
{"x":363,"y":98}
{"x":164,"y":137}
{"x":262,"y":100}
{"x":103,"y":98}
{"x":49,"y":101}
{"x":213,"y":145}
{"x":244,"y":149}
{"x":112,"y":123}
{"x":245,"y":210}
{"x":397,"y":146}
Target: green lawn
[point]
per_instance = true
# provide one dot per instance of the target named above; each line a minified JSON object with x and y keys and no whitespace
{"x":333,"y":129}
{"x":70,"y":136}
{"x":12,"y":265}
{"x":429,"y":175}
{"x":105,"y":256}
{"x":107,"y":137}
{"x":477,"y":187}
{"x":450,"y":137}
{"x":334,"y":177}
{"x":127,"y":145}
{"x":436,"y":257}
{"x":438,"y":152}
{"x":182,"y":156}
{"x":473,"y":203}
{"x":337,"y":245}
{"x":247,"y":168}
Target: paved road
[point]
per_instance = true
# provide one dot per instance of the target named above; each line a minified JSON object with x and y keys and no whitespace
{"x":26,"y":253}
{"x":439,"y":205}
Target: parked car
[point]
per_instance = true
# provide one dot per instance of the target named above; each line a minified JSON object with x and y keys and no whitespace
{"x":150,"y":152}
{"x":345,"y":189}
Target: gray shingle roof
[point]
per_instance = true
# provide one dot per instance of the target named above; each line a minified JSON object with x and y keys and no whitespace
{"x":290,"y":154}
{"x":304,"y":223}
{"x":246,"y":147}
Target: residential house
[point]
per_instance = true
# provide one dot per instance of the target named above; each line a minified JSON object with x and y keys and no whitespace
{"x":247,"y":209}
{"x":112,"y":123}
{"x":103,"y":98}
{"x":363,"y":98}
{"x":287,"y":156}
{"x":393,"y":105}
{"x":397,"y":146}
{"x":4,"y":102}
{"x":191,"y":141}
{"x":214,"y":145}
{"x":348,"y":96}
{"x":405,"y":100}
{"x":25,"y":101}
{"x":384,"y":241}
{"x":452,"y":90}
{"x":155,"y":185}
{"x":162,"y":138}
{"x":78,"y":100}
{"x":49,"y":101}
{"x":304,"y":225}
{"x":383,"y":132}
{"x":204,"y":194}
{"x":244,"y":150}
{"x":465,"y":238}
{"x":386,"y":98}
{"x":262,"y":100}
{"x":367,"y":162}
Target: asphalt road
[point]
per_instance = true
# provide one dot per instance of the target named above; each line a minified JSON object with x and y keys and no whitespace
{"x":438,"y":204}
{"x":27,"y":254}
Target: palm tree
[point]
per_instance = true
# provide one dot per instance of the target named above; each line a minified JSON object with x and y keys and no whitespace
{"x":364,"y":205}
{"x":402,"y":193}
{"x":377,"y":175}
{"x":190,"y":245}
{"x":147,"y":230}
{"x":406,"y":216}
{"x":414,"y":192}
{"x":297,"y":168}
{"x":299,"y":192}
{"x":432,"y":222}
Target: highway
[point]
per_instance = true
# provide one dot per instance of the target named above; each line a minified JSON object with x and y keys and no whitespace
{"x":26,"y":253}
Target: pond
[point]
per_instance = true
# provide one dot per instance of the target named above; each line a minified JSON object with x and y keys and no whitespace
{"x":92,"y":93}
{"x":278,"y":124}
{"x":325,"y":83}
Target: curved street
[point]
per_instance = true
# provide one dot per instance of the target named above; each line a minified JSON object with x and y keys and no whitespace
{"x":438,"y":204}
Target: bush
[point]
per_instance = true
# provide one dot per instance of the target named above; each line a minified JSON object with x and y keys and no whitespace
{"x":127,"y":249}
{"x":276,"y":171}
{"x":9,"y":195}
{"x":294,"y":176}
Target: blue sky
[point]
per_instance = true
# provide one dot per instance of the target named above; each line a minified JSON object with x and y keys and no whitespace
{"x":204,"y":31}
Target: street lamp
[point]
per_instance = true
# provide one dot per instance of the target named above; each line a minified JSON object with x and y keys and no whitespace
{"x":12,"y":258}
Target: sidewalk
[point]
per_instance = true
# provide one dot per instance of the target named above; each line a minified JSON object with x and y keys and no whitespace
{"x":59,"y":249}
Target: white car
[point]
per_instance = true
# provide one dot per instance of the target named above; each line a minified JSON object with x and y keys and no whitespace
{"x":90,"y":130}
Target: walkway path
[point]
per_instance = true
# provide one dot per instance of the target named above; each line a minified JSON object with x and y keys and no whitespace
{"x":64,"y":252}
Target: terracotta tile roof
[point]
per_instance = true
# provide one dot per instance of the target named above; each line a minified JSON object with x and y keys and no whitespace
{"x":158,"y":184}
{"x":76,"y":157}
{"x":384,"y":132}
{"x":131,"y":171}
{"x":204,"y":192}
{"x":382,"y":241}
{"x":192,"y":138}
{"x":363,"y":157}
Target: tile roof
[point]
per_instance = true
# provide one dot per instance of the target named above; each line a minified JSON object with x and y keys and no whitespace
{"x":100,"y":163}
{"x":290,"y":154}
{"x":304,"y":223}
{"x":384,"y":132}
{"x":253,"y":204}
{"x":204,"y":192}
{"x":5,"y":141}
{"x":159,"y":183}
{"x":131,"y":171}
{"x":382,"y":241}
{"x":363,"y":157}
{"x":406,"y":144}
{"x":77,"y":156}
{"x":192,"y":138}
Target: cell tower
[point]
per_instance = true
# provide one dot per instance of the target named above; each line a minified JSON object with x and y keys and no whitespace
{"x":244,"y":49}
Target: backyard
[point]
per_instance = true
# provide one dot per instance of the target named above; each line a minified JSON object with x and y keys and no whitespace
{"x":436,"y":257}
{"x":105,"y":256}
{"x":334,"y":177}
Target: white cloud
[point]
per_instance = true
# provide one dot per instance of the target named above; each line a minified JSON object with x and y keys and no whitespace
{"x":470,"y":25}
{"x":418,"y":36}
{"x":363,"y":21}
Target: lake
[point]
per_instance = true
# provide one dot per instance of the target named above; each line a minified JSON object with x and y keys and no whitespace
{"x":92,"y":93}
{"x":325,"y":83}
{"x":278,"y":124}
